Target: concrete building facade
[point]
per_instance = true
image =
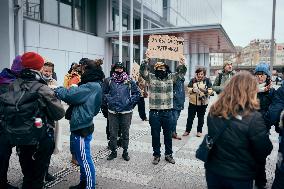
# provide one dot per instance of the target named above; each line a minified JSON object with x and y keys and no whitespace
{"x":64,"y":31}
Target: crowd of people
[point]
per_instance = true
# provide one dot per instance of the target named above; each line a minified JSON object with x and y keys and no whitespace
{"x":242,"y":116}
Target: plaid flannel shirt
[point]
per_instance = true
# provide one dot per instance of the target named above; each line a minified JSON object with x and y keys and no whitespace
{"x":160,"y":91}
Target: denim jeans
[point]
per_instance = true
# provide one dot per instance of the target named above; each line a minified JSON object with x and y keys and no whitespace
{"x":116,"y":122}
{"x":158,"y":119}
{"x":176,"y":114}
{"x":219,"y":182}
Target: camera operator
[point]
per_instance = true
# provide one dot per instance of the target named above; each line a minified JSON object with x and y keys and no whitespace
{"x":199,"y":89}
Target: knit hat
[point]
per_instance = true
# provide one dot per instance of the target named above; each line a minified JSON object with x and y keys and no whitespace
{"x":17,"y":65}
{"x":262,"y":67}
{"x":32,"y":60}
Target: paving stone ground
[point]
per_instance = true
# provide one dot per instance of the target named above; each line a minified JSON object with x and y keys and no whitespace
{"x":139,"y":172}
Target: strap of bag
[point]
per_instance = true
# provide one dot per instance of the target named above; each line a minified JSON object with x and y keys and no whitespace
{"x":227,"y":124}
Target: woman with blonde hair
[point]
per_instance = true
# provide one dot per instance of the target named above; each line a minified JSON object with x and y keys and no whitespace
{"x":244,"y":141}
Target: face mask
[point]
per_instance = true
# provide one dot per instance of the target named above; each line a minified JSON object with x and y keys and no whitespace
{"x":161,"y":74}
{"x":46,"y":78}
{"x":118,"y":73}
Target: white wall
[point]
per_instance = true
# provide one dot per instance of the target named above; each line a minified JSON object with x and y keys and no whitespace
{"x":61,"y":46}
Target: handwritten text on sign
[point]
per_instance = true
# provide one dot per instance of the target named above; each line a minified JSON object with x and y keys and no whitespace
{"x":165,"y":47}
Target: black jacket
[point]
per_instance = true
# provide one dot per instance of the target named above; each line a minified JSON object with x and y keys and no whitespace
{"x":238,"y":150}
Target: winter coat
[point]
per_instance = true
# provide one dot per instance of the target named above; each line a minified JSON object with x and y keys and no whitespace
{"x":54,"y":108}
{"x":201,"y":98}
{"x":272,"y":116}
{"x":243,"y":145}
{"x":265,"y":99}
{"x":72,"y":78}
{"x":179,"y":94}
{"x":86,"y":99}
{"x":221,"y":80}
{"x":120,"y":97}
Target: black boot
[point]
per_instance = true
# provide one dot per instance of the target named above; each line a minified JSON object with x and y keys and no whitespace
{"x":112,"y":155}
{"x":125,"y":155}
{"x":81,"y":185}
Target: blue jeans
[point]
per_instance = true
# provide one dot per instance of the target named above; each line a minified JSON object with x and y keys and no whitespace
{"x":219,"y":182}
{"x":176,"y":114}
{"x":82,"y":151}
{"x":158,"y":119}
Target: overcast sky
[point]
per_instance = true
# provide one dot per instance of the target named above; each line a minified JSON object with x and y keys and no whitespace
{"x":245,"y":20}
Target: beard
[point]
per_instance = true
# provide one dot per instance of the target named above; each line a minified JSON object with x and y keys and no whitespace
{"x":161,"y":74}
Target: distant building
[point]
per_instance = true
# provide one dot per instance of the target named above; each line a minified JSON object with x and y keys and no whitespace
{"x":216,"y":59}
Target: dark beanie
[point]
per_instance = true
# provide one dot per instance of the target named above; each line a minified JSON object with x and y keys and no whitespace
{"x":32,"y":60}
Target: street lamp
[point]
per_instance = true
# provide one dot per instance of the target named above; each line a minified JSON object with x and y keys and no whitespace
{"x":272,"y":46}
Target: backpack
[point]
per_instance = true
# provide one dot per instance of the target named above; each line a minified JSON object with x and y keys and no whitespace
{"x":21,"y":109}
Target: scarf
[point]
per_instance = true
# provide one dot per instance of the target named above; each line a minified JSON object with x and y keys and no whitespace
{"x":119,"y":78}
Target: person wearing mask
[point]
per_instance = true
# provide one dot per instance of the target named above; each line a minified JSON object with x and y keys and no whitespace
{"x":121,"y":95}
{"x":199,"y":89}
{"x":86,"y":101}
{"x":161,"y":104}
{"x":7,"y":76}
{"x":179,"y":99}
{"x":223,"y":77}
{"x":243,"y":141}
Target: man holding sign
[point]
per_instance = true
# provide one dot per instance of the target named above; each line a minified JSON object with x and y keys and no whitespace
{"x":161,"y":104}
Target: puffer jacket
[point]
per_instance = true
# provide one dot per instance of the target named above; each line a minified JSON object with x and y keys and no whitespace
{"x":240,"y":148}
{"x":121,"y":97}
{"x":86,"y":99}
{"x":179,"y":94}
{"x":202,"y":98}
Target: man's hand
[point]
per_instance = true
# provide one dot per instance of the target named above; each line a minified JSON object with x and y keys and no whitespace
{"x":182,"y":60}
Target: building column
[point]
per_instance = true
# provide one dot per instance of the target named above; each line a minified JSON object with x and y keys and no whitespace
{"x":7,"y":46}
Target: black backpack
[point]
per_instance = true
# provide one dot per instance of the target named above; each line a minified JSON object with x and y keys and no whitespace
{"x":20,"y":108}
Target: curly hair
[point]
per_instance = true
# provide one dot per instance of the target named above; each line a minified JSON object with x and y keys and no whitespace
{"x":238,"y":97}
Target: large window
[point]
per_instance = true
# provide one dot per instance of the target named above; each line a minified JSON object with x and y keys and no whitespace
{"x":67,"y":13}
{"x":32,"y":9}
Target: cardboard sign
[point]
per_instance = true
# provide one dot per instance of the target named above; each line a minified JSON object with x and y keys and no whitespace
{"x":165,"y":47}
{"x":135,"y":71}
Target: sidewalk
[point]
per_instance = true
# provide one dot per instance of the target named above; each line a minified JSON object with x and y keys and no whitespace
{"x":139,"y":172}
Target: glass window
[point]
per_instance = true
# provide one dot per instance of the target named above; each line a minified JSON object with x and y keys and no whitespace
{"x":78,"y":15}
{"x":32,"y":9}
{"x":51,"y":11}
{"x":65,"y":15}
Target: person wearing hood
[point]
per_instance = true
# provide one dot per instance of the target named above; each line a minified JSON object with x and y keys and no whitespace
{"x":34,"y":168}
{"x":86,"y":101}
{"x":161,"y":103}
{"x":7,"y":76}
{"x":223,"y":77}
{"x":121,"y":95}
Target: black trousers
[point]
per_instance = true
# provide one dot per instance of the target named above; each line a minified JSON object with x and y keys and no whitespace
{"x":278,"y":182}
{"x":260,"y":178}
{"x":192,"y":110}
{"x":141,"y":108}
{"x":5,"y":153}
{"x":34,"y":161}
